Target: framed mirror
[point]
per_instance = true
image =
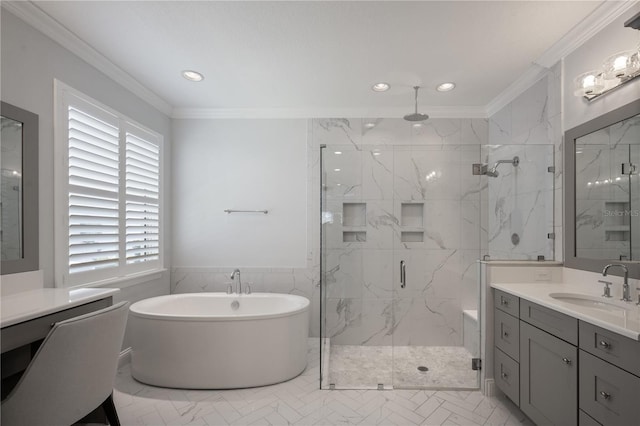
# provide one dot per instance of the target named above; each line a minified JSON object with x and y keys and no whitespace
{"x":602,"y":192}
{"x":19,"y":190}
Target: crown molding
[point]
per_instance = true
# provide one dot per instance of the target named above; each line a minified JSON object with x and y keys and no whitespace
{"x":34,"y":16}
{"x":599,"y":18}
{"x":277,"y":113}
{"x":531,"y":76}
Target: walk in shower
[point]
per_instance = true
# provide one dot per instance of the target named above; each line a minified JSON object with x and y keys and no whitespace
{"x":404,"y":222}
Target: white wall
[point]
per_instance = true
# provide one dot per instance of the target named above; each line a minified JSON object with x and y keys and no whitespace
{"x":30,"y":63}
{"x":612,"y":39}
{"x":246,"y":165}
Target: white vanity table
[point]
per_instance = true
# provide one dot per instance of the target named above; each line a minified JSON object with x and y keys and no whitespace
{"x":26,"y":318}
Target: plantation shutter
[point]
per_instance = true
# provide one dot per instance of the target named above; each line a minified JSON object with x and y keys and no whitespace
{"x":142,"y":198}
{"x":94,"y":240}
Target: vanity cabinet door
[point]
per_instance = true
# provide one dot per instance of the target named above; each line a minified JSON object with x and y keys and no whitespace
{"x":548,"y":377}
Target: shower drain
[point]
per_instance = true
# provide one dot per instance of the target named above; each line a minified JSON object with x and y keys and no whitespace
{"x":423,"y":368}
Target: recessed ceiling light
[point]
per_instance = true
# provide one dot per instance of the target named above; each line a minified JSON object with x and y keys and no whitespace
{"x":445,"y":87}
{"x":192,"y":75}
{"x":369,"y":125}
{"x":337,"y":152}
{"x":380,"y":87}
{"x":336,"y":170}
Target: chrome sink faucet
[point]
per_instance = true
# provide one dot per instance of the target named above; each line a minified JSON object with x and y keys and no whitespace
{"x":626,"y":296}
{"x":239,"y":285}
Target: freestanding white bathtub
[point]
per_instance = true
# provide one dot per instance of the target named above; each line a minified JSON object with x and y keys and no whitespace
{"x":218,"y":340}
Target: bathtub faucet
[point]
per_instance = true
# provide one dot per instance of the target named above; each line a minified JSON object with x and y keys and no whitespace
{"x":239,"y":285}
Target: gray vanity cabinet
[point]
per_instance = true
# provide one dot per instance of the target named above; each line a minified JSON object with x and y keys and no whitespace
{"x":548,"y":377}
{"x":536,"y":359}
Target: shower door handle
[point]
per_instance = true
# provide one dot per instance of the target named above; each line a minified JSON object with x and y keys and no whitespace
{"x":403,"y":274}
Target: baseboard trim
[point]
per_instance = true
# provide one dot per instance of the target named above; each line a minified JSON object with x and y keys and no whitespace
{"x":124,"y":358}
{"x":489,"y":387}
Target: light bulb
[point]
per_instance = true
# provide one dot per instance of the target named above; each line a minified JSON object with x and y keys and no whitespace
{"x":621,"y":65}
{"x":588,"y":84}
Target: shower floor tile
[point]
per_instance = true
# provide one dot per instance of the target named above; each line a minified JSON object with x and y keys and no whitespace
{"x":365,"y":367}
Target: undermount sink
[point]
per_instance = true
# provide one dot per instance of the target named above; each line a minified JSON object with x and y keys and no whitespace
{"x":594,"y":302}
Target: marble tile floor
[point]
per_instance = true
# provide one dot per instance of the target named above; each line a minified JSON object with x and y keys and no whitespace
{"x":300,"y":402}
{"x":364,"y":367}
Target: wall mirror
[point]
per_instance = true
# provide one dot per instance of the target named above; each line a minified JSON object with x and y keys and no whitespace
{"x":602,"y":191}
{"x":19,"y":190}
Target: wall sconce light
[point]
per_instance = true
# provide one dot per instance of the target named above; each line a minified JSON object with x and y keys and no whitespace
{"x":616,"y":71}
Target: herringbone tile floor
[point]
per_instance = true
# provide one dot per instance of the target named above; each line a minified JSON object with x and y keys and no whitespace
{"x":300,"y":402}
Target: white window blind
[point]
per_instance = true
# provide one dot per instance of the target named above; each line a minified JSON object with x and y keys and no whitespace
{"x":110,"y":196}
{"x":142,"y":199}
{"x":93,"y":192}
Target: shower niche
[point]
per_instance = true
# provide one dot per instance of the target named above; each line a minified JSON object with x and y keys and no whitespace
{"x":412,"y":222}
{"x":354,"y":222}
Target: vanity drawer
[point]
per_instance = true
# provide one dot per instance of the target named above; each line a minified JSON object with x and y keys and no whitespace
{"x":553,"y":322}
{"x":507,"y":334}
{"x":607,"y":393}
{"x":506,"y":302}
{"x":619,"y":350}
{"x":507,"y":373}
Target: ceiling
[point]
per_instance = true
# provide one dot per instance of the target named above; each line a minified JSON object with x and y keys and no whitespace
{"x":321,"y":54}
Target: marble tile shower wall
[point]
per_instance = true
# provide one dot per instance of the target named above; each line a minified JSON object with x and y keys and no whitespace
{"x":395,"y":192}
{"x":529,"y":201}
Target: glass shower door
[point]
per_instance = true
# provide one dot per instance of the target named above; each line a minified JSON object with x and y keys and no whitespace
{"x":358,"y":229}
{"x":436,"y":249}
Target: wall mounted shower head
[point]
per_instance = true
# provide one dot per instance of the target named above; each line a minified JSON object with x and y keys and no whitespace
{"x":493,"y":172}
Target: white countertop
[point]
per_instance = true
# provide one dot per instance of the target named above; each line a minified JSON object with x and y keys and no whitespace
{"x":27,"y":305}
{"x":627,"y":324}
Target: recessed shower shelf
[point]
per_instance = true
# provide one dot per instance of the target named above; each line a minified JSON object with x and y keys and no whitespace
{"x":412,"y":215}
{"x":354,"y":214}
{"x":412,"y":236}
{"x":354,"y":237}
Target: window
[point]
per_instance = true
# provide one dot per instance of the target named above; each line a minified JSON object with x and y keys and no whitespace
{"x":108,"y":192}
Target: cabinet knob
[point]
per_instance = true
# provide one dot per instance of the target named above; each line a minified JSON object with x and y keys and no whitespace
{"x":605,"y":344}
{"x":505,"y":334}
{"x":504,"y":375}
{"x":504,"y":301}
{"x":605,"y":395}
{"x":566,"y":361}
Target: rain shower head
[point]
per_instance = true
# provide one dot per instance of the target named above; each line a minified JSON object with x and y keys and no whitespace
{"x":416,"y":116}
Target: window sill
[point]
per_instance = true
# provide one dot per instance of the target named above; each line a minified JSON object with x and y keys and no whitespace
{"x":126,"y":281}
